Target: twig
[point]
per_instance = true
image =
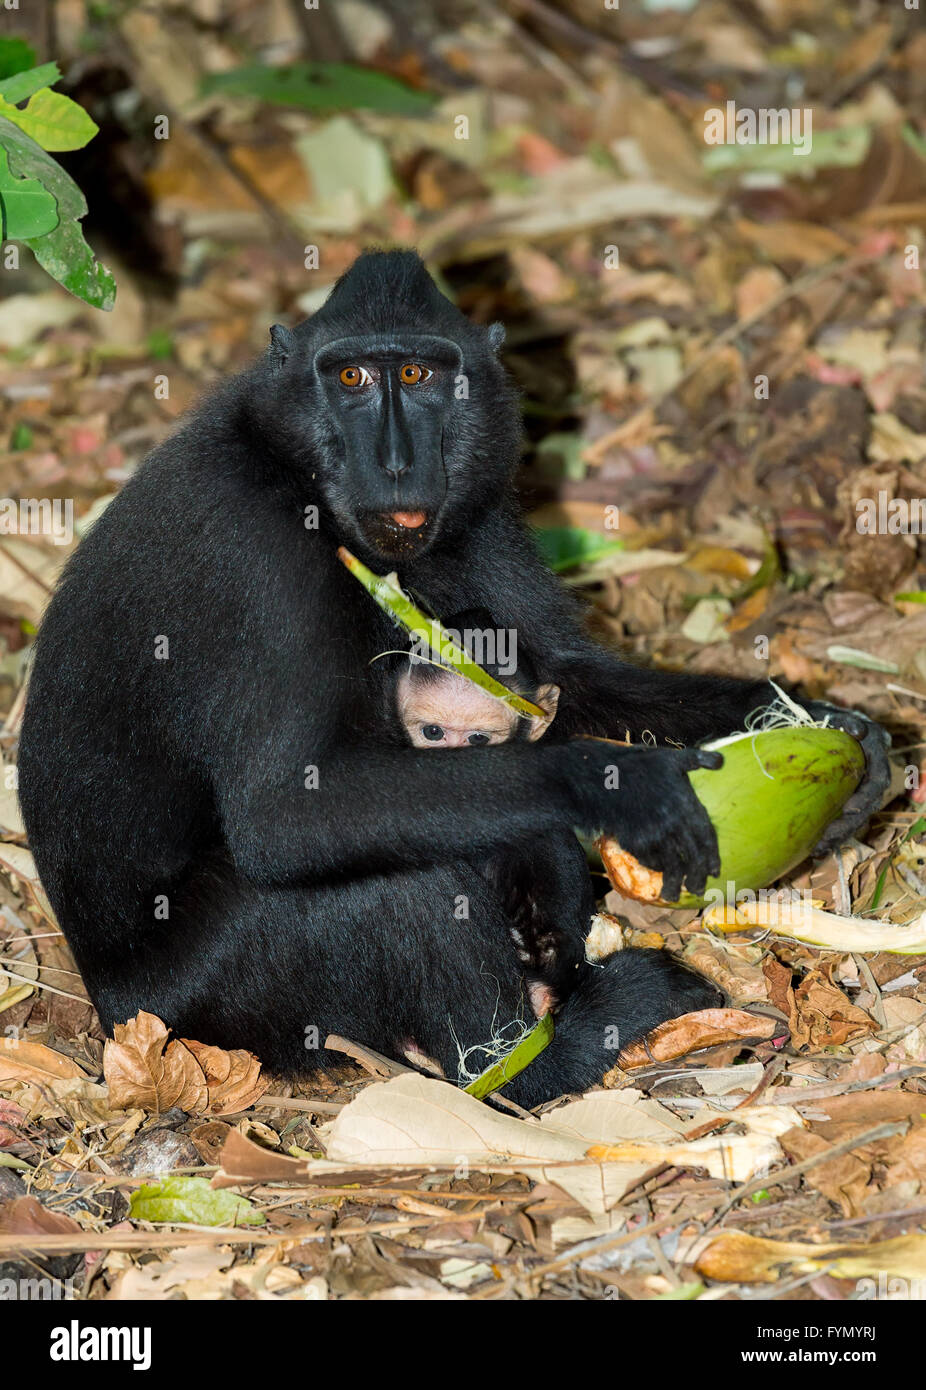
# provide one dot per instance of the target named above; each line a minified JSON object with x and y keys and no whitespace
{"x":373,"y":1062}
{"x":793,"y":1095}
{"x":317,"y":1107}
{"x":40,"y":984}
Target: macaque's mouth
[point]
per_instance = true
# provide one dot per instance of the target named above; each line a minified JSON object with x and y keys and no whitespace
{"x":399,"y":533}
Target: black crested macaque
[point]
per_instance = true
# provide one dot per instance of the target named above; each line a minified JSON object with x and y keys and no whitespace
{"x":222,"y":825}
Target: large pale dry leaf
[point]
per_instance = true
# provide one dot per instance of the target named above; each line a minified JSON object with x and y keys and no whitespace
{"x":417,"y":1121}
{"x":627,"y":1115}
{"x":185,"y":1270}
{"x":143,"y":1069}
{"x":693,"y":1033}
{"x":201,"y":1273}
{"x":414,"y":1120}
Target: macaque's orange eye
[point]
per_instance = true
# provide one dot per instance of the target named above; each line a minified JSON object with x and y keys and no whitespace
{"x":354,"y":376}
{"x":412,"y":374}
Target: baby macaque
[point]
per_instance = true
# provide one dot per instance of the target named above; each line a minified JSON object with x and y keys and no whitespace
{"x":544,"y":883}
{"x":441,"y":709}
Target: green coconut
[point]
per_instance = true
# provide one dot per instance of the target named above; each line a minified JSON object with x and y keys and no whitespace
{"x":770,"y":802}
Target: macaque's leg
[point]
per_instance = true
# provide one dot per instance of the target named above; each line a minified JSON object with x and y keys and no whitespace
{"x":546,"y":890}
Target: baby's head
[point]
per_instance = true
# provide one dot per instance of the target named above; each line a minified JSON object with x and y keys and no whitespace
{"x":440,"y":709}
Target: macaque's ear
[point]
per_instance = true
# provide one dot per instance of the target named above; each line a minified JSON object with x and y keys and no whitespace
{"x":547,"y":698}
{"x":282,"y":344}
{"x":496,"y":335}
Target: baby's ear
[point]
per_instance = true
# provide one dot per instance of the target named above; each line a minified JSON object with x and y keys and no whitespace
{"x":547,"y":698}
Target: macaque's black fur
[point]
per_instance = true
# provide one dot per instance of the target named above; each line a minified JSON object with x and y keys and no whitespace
{"x":193,"y":871}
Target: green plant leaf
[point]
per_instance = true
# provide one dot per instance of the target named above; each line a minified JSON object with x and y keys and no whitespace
{"x":25,"y":84}
{"x":844,"y":148}
{"x":26,"y":208}
{"x":320,"y":87}
{"x":500,"y":1073}
{"x":193,"y":1201}
{"x":565,"y":547}
{"x":53,"y":120}
{"x":63,"y":252}
{"x":911,"y":596}
{"x":15,"y":56}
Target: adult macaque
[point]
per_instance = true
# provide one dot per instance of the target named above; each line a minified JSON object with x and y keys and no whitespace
{"x":226,"y":824}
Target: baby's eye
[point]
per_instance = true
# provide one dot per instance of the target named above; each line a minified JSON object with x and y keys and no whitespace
{"x":433,"y":733}
{"x":477,"y":740}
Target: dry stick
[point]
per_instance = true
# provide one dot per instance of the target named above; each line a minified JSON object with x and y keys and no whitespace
{"x":14,"y":718}
{"x":6,"y":962}
{"x":40,"y":984}
{"x":571,"y":80}
{"x":182,"y":1235}
{"x":147,"y":1240}
{"x":898,"y":1214}
{"x":34,"y":936}
{"x":316,"y":1107}
{"x":49,"y":588}
{"x":373,"y":1062}
{"x":646,"y":69}
{"x":596,"y":451}
{"x":838,"y":1088}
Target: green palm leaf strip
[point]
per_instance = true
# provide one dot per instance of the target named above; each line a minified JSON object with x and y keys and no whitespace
{"x":500,"y":1073}
{"x":391,"y":598}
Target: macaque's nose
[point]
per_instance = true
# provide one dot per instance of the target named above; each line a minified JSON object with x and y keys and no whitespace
{"x":395,"y":465}
{"x":455,"y":738}
{"x":396,"y":448}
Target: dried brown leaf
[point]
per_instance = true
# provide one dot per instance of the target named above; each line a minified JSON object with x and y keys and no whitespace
{"x":693,"y":1032}
{"x":21,"y":1060}
{"x":142,"y":1068}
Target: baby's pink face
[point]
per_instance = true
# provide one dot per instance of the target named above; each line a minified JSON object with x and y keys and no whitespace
{"x":452,"y":713}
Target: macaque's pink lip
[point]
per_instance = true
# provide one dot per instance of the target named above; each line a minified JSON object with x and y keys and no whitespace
{"x":410,"y":520}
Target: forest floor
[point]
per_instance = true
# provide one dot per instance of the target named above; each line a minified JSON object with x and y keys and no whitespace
{"x":722,"y":367}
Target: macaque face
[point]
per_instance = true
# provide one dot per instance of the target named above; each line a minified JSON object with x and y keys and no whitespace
{"x":452,"y":712}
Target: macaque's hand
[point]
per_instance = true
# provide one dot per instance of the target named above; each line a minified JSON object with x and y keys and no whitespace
{"x":866,"y":799}
{"x":642,"y":796}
